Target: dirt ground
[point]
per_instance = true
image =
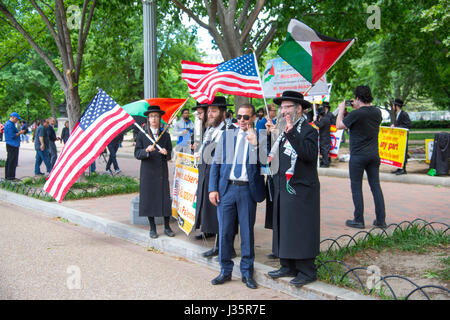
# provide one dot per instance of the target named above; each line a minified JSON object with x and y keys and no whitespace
{"x":419,"y":268}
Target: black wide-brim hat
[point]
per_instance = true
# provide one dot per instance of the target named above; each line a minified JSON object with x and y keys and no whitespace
{"x":293,"y":96}
{"x":219,"y":101}
{"x":326,"y":104}
{"x":200,"y":105}
{"x":151,"y":109}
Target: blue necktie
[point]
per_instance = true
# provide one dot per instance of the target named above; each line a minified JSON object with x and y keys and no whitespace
{"x":239,"y":154}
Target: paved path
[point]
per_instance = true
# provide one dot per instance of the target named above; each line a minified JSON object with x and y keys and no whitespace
{"x":34,"y":266}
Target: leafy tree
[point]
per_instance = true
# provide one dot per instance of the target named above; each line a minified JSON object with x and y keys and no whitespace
{"x":67,"y":70}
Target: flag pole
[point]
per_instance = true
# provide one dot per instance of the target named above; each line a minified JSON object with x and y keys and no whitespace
{"x":259,"y":78}
{"x":174,"y":116}
{"x":146,"y":134}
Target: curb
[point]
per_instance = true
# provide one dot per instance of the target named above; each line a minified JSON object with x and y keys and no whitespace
{"x":314,"y":291}
{"x":388,"y":177}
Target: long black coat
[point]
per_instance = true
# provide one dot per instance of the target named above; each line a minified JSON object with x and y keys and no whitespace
{"x":154,"y":193}
{"x":296,"y":218}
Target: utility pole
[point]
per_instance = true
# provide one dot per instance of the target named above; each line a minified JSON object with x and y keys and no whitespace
{"x":150,"y":64}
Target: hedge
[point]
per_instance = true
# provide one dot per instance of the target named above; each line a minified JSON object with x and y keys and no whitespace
{"x":426,"y":124}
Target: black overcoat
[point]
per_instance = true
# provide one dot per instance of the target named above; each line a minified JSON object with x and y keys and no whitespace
{"x":154,"y":192}
{"x":205,"y":211}
{"x":296,"y":217}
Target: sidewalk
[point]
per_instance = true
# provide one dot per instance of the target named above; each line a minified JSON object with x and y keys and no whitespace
{"x":405,"y":200}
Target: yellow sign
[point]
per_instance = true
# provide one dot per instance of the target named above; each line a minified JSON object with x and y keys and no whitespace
{"x":428,"y":149}
{"x":392,"y":146}
{"x":184,"y":191}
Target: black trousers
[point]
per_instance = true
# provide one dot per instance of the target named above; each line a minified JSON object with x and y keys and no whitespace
{"x":304,"y":267}
{"x":371,"y":164}
{"x":324,"y":152}
{"x":12,"y":159}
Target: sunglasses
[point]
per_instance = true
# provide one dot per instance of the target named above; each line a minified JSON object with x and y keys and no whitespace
{"x":245,"y":116}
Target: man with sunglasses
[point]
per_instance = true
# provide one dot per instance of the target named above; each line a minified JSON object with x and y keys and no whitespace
{"x":235,"y":186}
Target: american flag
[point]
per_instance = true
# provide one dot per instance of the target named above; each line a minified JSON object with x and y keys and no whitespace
{"x":100,"y":123}
{"x":238,"y":76}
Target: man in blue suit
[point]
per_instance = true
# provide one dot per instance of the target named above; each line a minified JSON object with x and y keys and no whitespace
{"x":235,"y":186}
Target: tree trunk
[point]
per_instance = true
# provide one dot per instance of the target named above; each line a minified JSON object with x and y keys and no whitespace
{"x":51,"y":103}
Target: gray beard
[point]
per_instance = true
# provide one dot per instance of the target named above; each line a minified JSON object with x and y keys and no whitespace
{"x":281,"y":121}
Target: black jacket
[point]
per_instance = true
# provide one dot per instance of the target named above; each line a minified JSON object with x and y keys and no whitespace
{"x":403,"y":121}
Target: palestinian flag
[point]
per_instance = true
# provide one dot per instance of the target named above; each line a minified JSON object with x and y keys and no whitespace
{"x":269,"y":73}
{"x":309,"y":52}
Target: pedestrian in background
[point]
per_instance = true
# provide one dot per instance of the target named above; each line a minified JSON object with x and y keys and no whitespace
{"x":2,"y":128}
{"x":12,"y":139}
{"x":401,"y":121}
{"x":41,"y":145}
{"x":65,"y":134}
{"x":52,"y":138}
{"x":322,"y":121}
{"x":113,"y":147}
{"x":24,"y":135}
{"x":364,"y":125}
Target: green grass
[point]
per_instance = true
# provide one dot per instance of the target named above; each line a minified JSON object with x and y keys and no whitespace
{"x":413,"y":239}
{"x":93,"y":186}
{"x":2,"y":163}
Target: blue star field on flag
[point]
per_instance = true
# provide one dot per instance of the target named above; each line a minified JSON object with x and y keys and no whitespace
{"x":99,"y":105}
{"x":244,"y":65}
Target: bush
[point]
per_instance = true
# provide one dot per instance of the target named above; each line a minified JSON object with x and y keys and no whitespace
{"x":426,"y":124}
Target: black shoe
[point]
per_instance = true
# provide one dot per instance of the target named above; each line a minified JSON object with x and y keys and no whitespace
{"x":324,"y":165}
{"x":300,"y":280}
{"x":354,"y":224}
{"x":204,"y":235}
{"x":222,"y":278}
{"x":282,"y":272}
{"x":272,"y":256}
{"x":395,"y":171}
{"x":169,"y":232}
{"x":250,"y":282}
{"x":381,"y":225}
{"x":401,"y":171}
{"x":211,"y":253}
{"x":153,"y":234}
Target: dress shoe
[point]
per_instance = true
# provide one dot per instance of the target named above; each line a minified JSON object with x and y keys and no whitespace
{"x":169,"y":232}
{"x":272,"y":256}
{"x":401,"y":171}
{"x":354,"y":224}
{"x":381,"y":225}
{"x":282,"y":272}
{"x":211,"y":253}
{"x":300,"y":280}
{"x":153,"y":234}
{"x":250,"y":282}
{"x":204,"y":236}
{"x":222,"y":278}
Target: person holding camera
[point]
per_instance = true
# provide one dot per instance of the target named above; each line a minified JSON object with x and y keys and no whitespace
{"x":363,"y":124}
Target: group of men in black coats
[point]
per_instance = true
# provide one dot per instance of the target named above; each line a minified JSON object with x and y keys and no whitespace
{"x":231,"y":184}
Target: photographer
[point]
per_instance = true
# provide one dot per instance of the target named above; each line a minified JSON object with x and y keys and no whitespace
{"x":363,"y":124}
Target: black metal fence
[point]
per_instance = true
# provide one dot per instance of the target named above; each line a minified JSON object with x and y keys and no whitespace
{"x":370,"y":286}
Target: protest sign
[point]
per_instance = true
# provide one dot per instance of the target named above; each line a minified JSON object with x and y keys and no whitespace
{"x":428,"y":149}
{"x":392,"y":146}
{"x":279,"y":76}
{"x":184,"y":191}
{"x":336,"y":138}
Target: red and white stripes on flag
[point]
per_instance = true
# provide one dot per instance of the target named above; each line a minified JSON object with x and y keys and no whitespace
{"x":84,"y":146}
{"x":237,"y":76}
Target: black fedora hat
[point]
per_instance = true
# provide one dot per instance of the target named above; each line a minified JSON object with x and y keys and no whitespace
{"x":326,"y":104}
{"x":200,"y":105}
{"x":398,"y":102}
{"x":219,"y":101}
{"x":151,"y":109}
{"x":293,"y":96}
